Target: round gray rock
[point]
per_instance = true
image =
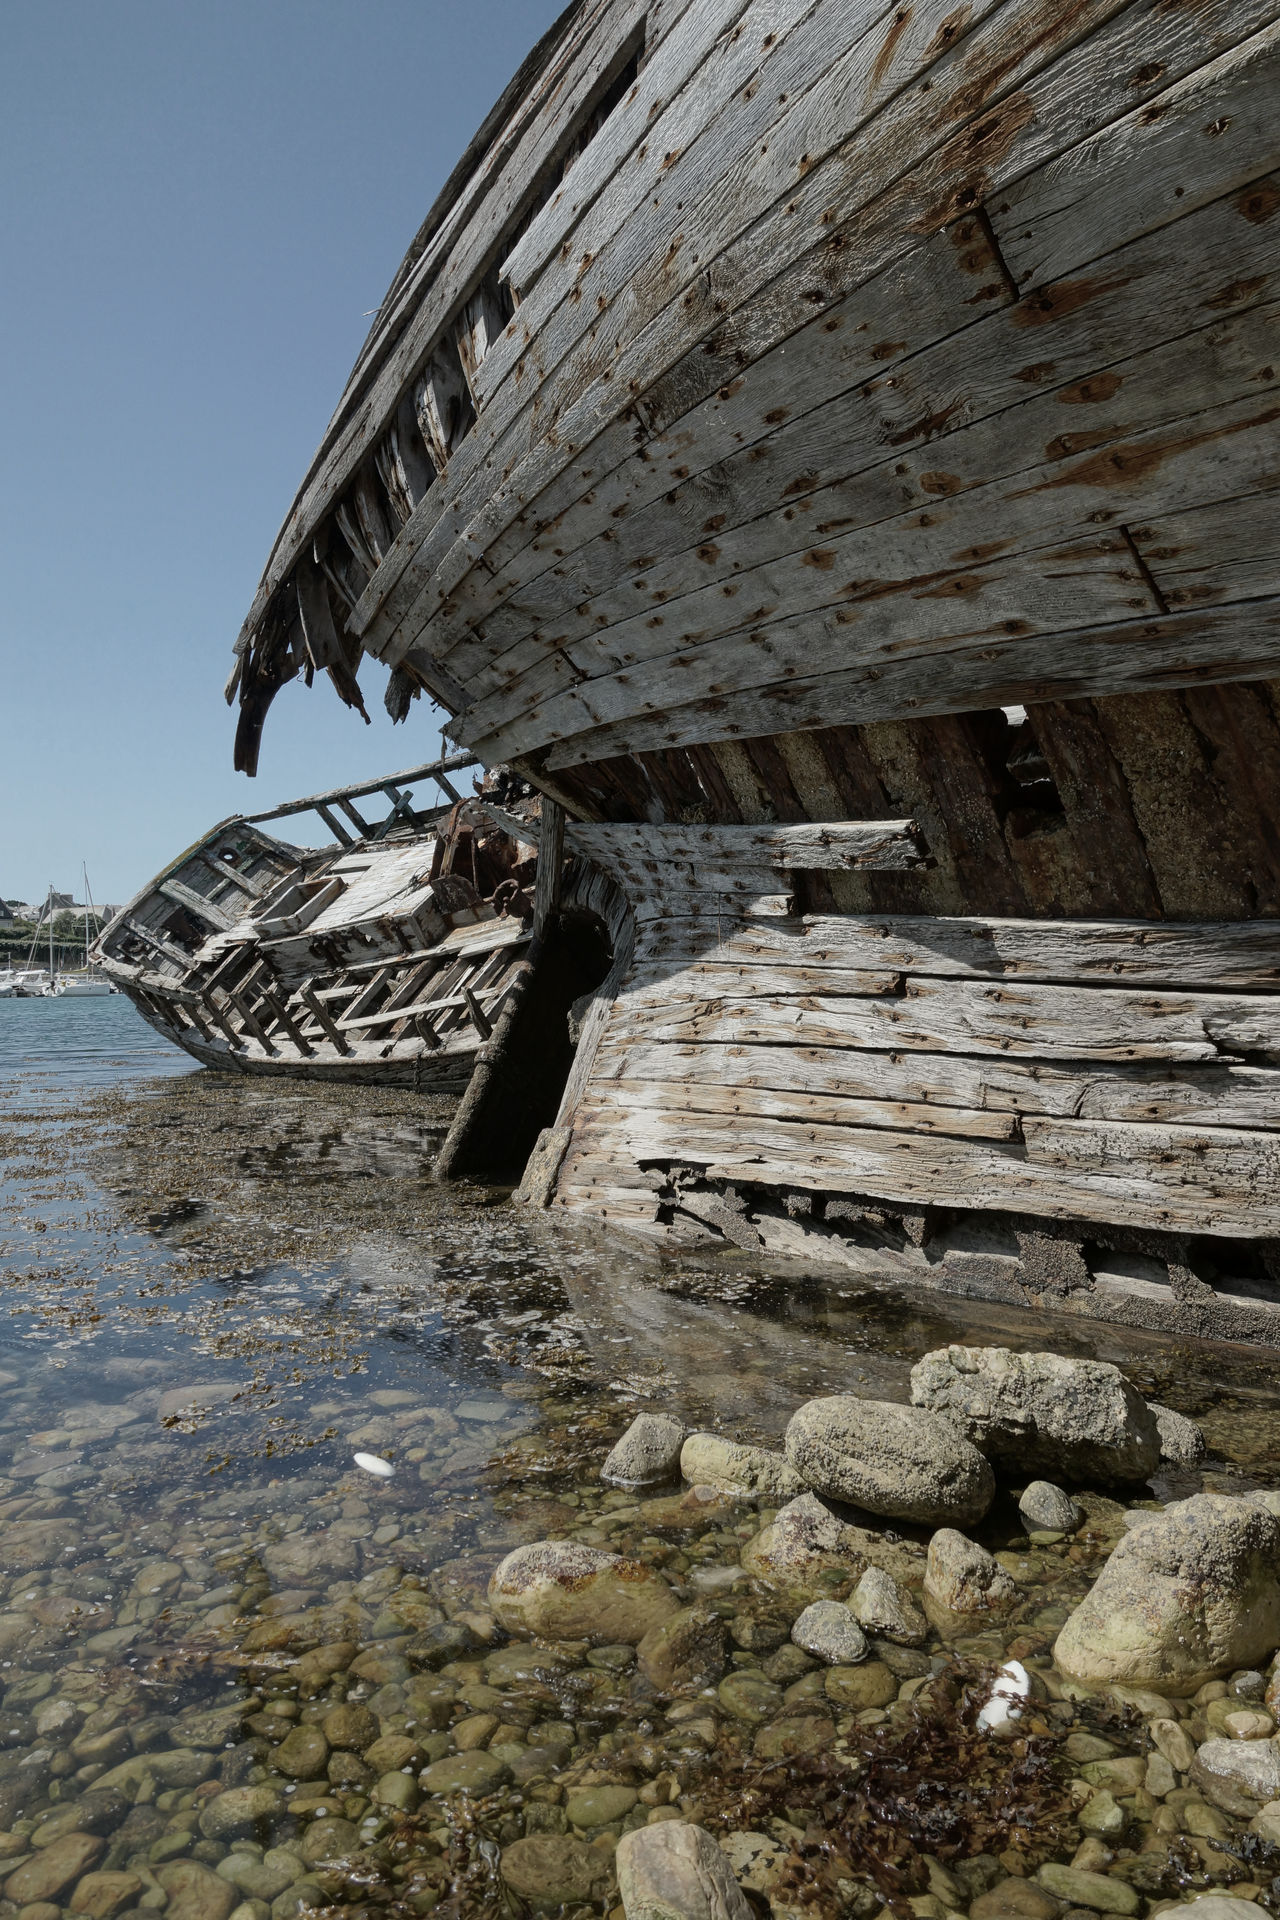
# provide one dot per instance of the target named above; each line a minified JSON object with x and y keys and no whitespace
{"x":962,"y":1577}
{"x":881,"y":1607}
{"x":1239,"y":1775}
{"x":247,"y":1811}
{"x":829,"y":1632}
{"x":1187,"y":1597}
{"x":675,"y":1871}
{"x":1079,"y":1420}
{"x":1182,"y":1445}
{"x":709,"y":1460}
{"x":900,"y":1461}
{"x":647,"y":1453}
{"x":808,"y":1552}
{"x":1047,"y":1509}
{"x":563,"y":1590}
{"x":552,"y":1870}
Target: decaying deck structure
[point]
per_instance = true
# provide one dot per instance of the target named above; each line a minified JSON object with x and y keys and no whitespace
{"x":831,"y":451}
{"x":385,"y":957}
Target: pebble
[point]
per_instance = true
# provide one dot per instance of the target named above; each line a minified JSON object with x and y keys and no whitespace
{"x":567,"y":1591}
{"x":882,"y":1607}
{"x":1016,"y":1899}
{"x":1047,"y":1508}
{"x":675,"y":1871}
{"x":709,"y":1460}
{"x":553,"y":1870}
{"x":647,"y":1453}
{"x":465,"y":1773}
{"x":963,"y":1577}
{"x":56,"y":1867}
{"x":598,"y":1806}
{"x":103,"y":1895}
{"x":856,"y":1688}
{"x":749,"y":1696}
{"x":194,"y":1892}
{"x":685,"y":1653}
{"x":830,"y":1632}
{"x":1097,"y":1891}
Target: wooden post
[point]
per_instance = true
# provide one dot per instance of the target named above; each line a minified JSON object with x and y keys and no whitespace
{"x":320,"y":1015}
{"x":546,"y":896}
{"x":335,"y":826}
{"x":478,"y":1020}
{"x":489,"y":1062}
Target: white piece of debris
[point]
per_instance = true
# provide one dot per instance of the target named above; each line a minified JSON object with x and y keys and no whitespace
{"x":1012,"y":1686}
{"x":375,"y":1464}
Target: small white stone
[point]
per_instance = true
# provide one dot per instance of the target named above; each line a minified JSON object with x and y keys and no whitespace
{"x":374,"y":1463}
{"x":1011,"y":1689}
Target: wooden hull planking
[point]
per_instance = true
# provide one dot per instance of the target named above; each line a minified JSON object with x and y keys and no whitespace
{"x":833,"y":453}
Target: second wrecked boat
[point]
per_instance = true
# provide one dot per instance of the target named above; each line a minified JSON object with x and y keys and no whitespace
{"x":383,"y":958}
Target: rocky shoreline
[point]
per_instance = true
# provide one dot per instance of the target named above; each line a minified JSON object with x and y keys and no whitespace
{"x":897,"y":1664}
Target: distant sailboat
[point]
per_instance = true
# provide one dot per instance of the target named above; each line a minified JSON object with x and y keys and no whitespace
{"x":86,"y":983}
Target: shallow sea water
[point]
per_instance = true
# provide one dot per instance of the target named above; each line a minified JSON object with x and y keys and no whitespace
{"x":216,"y":1290}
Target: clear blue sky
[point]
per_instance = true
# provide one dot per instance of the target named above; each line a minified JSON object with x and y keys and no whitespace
{"x":199,"y":205}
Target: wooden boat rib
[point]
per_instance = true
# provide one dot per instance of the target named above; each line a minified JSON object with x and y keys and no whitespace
{"x":384,"y":958}
{"x":801,"y":416}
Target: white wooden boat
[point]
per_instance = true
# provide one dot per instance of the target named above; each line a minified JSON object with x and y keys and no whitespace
{"x":384,"y":957}
{"x":797,"y":419}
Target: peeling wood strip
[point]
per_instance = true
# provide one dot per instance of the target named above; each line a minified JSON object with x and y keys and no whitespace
{"x":1168,"y":1178}
{"x":1185,"y":954}
{"x":1021,"y":1019}
{"x":1203,"y":1095}
{"x":883,"y":845}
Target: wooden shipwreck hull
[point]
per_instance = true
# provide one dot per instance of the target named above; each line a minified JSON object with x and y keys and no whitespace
{"x":831,"y":451}
{"x":384,"y":958}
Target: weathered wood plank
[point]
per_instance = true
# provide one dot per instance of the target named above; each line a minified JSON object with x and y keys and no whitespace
{"x":717,"y":47}
{"x":680,"y":897}
{"x":1170,"y":1178}
{"x":1215,"y":131}
{"x":196,"y":903}
{"x":1207,"y":555}
{"x":1198,"y":1095}
{"x":918,"y":601}
{"x":1180,"y":650}
{"x":1241,"y":954}
{"x":914,"y":327}
{"x":1022,"y":1019}
{"x":694,"y":1098}
{"x":888,"y":845}
{"x":1049,"y":115}
{"x":550,"y":871}
{"x":978,"y":370}
{"x":462,"y":237}
{"x":783,"y":173}
{"x":721,"y":977}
